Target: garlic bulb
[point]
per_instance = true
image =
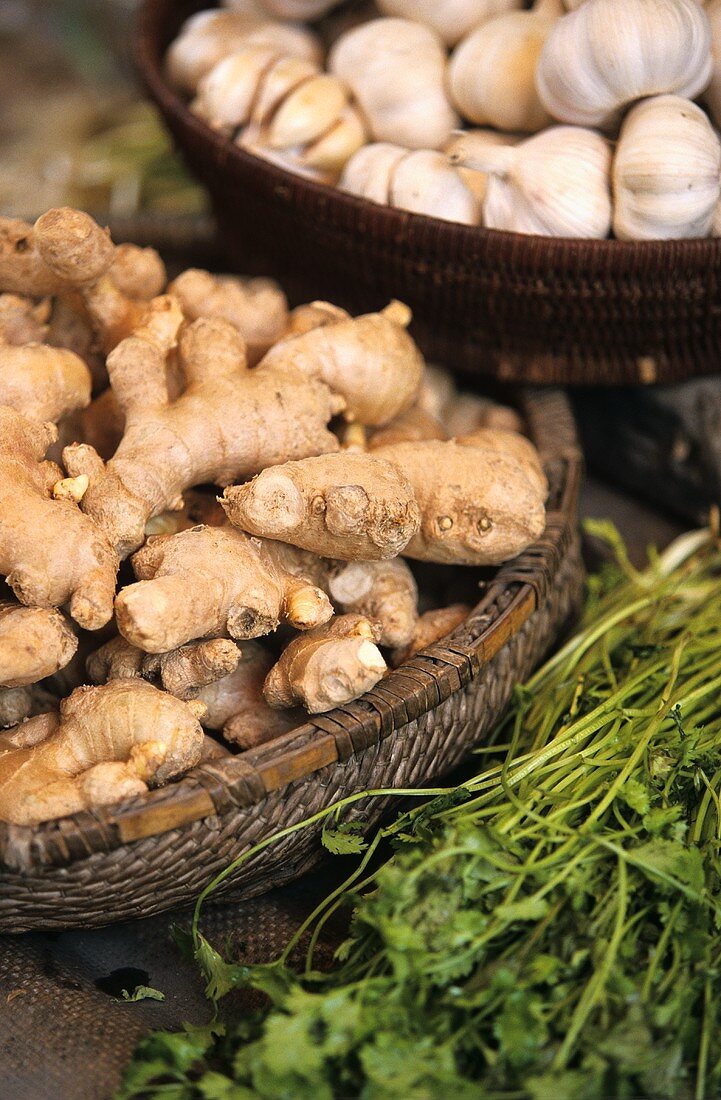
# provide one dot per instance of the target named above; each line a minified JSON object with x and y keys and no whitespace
{"x":209,"y":36}
{"x":469,"y":145}
{"x":666,"y":172}
{"x":451,"y":19}
{"x":712,"y":95}
{"x":420,"y":180}
{"x":286,"y":109}
{"x":396,"y":71}
{"x":492,"y":73}
{"x":554,"y":184}
{"x":608,"y":53}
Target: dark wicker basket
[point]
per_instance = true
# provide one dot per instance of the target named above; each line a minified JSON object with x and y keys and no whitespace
{"x":523,"y":309}
{"x":158,"y":851}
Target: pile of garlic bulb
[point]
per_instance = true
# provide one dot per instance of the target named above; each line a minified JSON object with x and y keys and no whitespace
{"x":561,"y":118}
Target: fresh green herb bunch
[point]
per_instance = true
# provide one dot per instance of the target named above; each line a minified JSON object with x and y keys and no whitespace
{"x":551,"y":929}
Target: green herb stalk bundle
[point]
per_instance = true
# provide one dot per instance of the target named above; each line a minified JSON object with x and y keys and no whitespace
{"x":548,"y":930}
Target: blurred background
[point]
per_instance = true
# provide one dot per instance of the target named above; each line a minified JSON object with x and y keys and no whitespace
{"x":75,"y":128}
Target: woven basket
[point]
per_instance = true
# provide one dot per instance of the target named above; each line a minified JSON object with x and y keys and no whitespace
{"x":520,"y":308}
{"x":158,"y":851}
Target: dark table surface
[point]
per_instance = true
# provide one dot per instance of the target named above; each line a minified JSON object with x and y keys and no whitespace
{"x":64,"y":1033}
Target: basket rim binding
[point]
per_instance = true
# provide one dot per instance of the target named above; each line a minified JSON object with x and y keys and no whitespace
{"x":588,"y":255}
{"x":406,"y":693}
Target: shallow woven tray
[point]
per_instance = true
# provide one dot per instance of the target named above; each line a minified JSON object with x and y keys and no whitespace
{"x":520,"y":308}
{"x":158,"y":851}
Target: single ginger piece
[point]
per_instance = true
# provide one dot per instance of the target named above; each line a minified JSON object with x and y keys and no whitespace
{"x":477,"y":506}
{"x":371,"y":361}
{"x":107,"y":743}
{"x":230,"y":423}
{"x":210,"y":582}
{"x":34,"y":643}
{"x":50,"y":553}
{"x":327,"y":667}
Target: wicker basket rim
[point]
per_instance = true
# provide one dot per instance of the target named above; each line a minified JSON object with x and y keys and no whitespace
{"x":430,"y":677}
{"x":576,"y":252}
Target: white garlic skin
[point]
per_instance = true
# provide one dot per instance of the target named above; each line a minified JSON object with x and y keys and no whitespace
{"x":368,"y":172}
{"x":666,"y":172}
{"x":492,"y":73}
{"x":288,"y":111}
{"x":396,"y":71}
{"x":209,"y":36}
{"x":419,"y":180}
{"x":451,"y":19}
{"x":608,"y":53}
{"x":554,"y":184}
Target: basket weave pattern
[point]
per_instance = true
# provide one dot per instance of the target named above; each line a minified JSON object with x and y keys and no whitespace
{"x":415,"y":726}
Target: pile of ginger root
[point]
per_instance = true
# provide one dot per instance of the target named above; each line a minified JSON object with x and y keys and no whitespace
{"x":208,"y":505}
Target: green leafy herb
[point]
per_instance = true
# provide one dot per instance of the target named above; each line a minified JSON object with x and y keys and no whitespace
{"x":550,"y":928}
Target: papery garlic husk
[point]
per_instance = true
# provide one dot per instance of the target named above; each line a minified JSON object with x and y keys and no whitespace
{"x":492,"y":73}
{"x":396,"y":71}
{"x":285,"y":109}
{"x":666,"y":172}
{"x":323,"y":158}
{"x":712,"y":95}
{"x":608,"y":53}
{"x":420,"y":180}
{"x":554,"y":184}
{"x":368,"y":172}
{"x":469,"y":145}
{"x":451,"y":19}
{"x":209,"y":36}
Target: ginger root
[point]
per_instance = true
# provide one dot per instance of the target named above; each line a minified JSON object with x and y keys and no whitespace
{"x":22,"y":321}
{"x":147,"y":735}
{"x":346,"y":505}
{"x":183,"y":672}
{"x":371,"y":361}
{"x":210,"y":582}
{"x":236,"y":705}
{"x":50,"y":553}
{"x":65,"y":248}
{"x":383,"y":591}
{"x":513,"y":446}
{"x":430,"y":628}
{"x":229,"y":424}
{"x":477,"y":505}
{"x":257,"y":308}
{"x":412,"y":426}
{"x":327,"y":667}
{"x":19,"y":703}
{"x":34,"y":643}
{"x":43,"y":382}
